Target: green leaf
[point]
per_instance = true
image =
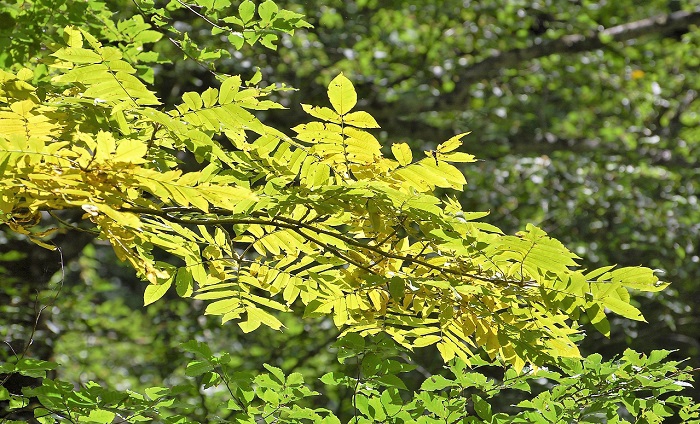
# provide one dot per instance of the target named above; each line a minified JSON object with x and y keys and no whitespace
{"x":210,"y":96}
{"x":397,"y":289}
{"x":267,"y":11}
{"x":276,"y":372}
{"x":333,"y":378}
{"x":78,"y":55}
{"x":198,"y":367}
{"x":154,"y":292}
{"x":391,"y":380}
{"x":184,"y":283}
{"x":437,"y":382}
{"x":246,"y":10}
{"x":229,"y":89}
{"x":256,"y":78}
{"x":623,"y":308}
{"x":199,"y":348}
{"x":99,"y":416}
{"x":34,"y":367}
{"x":342,"y":94}
{"x":482,"y":408}
{"x":236,"y":40}
{"x":156,"y":392}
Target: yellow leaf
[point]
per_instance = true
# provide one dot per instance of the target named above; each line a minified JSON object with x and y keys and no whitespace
{"x":342,"y":94}
{"x":256,"y":317}
{"x":379,"y":299}
{"x":402,"y":153}
{"x":458,"y":157}
{"x":563,"y":348}
{"x":637,"y":74}
{"x":451,"y":144}
{"x":623,"y":308}
{"x":23,"y":107}
{"x":340,"y":315}
{"x":291,"y":291}
{"x":25,"y":74}
{"x":322,"y":113}
{"x":229,"y":89}
{"x":426,"y":340}
{"x":124,"y":219}
{"x":223,"y":306}
{"x":360,"y":119}
{"x":130,"y":151}
{"x":447,"y":350}
{"x":72,"y":37}
{"x":192,"y":100}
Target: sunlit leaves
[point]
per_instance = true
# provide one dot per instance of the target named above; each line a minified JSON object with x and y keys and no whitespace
{"x":342,"y":94}
{"x":402,"y":153}
{"x":153,"y":292}
{"x":326,"y":221}
{"x":107,"y":77}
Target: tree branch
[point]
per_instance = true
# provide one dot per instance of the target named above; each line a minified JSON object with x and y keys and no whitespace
{"x":575,"y":43}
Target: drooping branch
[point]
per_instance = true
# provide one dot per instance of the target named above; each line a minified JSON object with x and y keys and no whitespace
{"x":576,"y":43}
{"x":493,"y":66}
{"x":297,"y":226}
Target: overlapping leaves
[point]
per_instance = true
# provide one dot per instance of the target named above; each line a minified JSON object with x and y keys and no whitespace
{"x":323,"y":222}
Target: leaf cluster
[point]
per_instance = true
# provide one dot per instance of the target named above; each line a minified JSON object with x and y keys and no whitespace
{"x":258,"y":223}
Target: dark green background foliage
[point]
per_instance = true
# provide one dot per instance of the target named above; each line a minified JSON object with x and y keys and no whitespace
{"x":595,"y":139}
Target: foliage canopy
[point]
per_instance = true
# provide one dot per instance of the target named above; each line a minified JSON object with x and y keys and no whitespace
{"x":206,"y":199}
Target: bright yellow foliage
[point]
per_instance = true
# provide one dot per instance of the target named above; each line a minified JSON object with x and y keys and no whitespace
{"x":323,"y":222}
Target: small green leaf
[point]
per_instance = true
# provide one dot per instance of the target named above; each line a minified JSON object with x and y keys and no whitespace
{"x":199,"y":348}
{"x":482,"y":408}
{"x":268,"y":40}
{"x":154,"y":292}
{"x":184,"y":283}
{"x":623,"y":308}
{"x":210,"y":96}
{"x":229,"y":89}
{"x":246,"y":10}
{"x":34,"y":367}
{"x":267,"y":10}
{"x":236,"y":40}
{"x":100,"y":416}
{"x":333,"y":378}
{"x":437,"y":382}
{"x":257,"y":77}
{"x":391,"y":380}
{"x":156,"y":392}
{"x":198,"y":367}
{"x":276,"y":372}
